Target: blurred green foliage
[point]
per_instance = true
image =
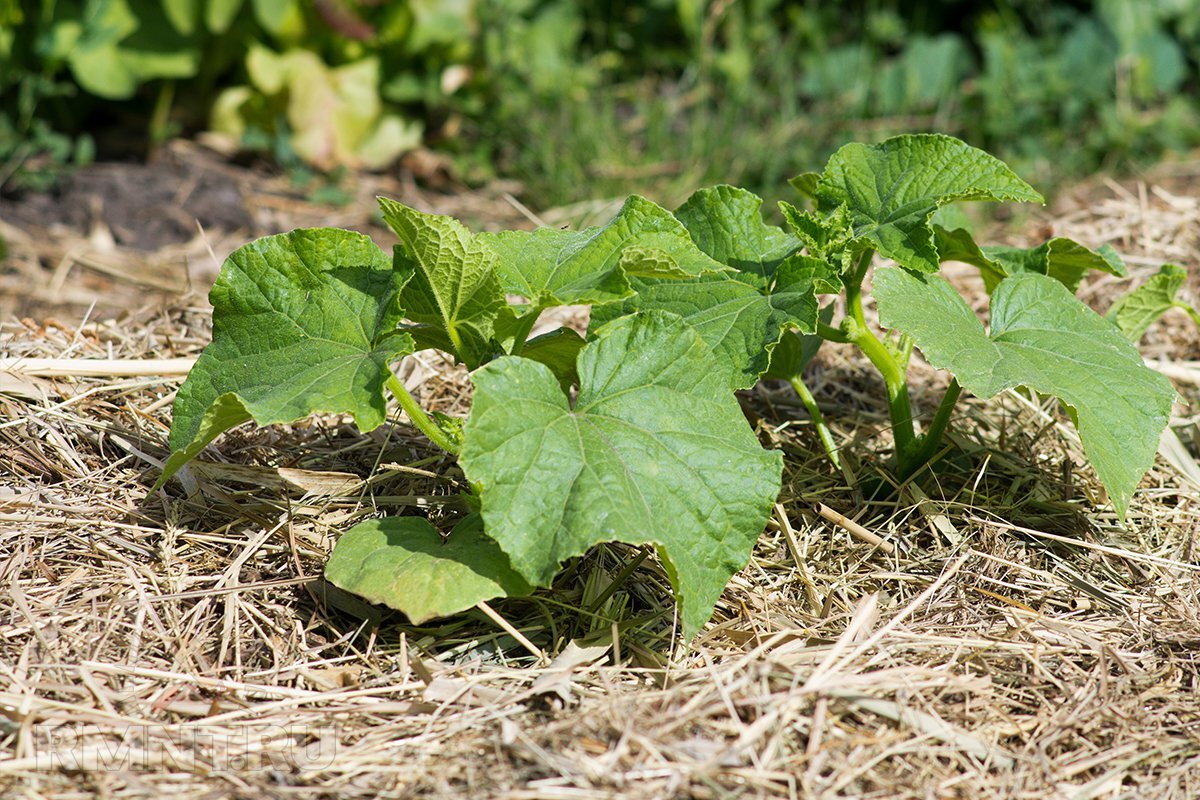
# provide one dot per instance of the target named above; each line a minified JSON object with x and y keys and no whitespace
{"x":583,"y":99}
{"x":680,"y":93}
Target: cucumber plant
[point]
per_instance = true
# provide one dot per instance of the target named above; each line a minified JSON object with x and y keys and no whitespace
{"x":633,"y":433}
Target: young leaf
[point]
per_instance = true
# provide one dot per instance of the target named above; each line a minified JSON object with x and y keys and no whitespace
{"x":655,"y":450}
{"x":806,"y":184}
{"x":1135,"y":312}
{"x":726,"y":223}
{"x":405,"y":564}
{"x":303,"y":322}
{"x":1044,"y":338}
{"x":1063,"y":259}
{"x":453,"y":285}
{"x":740,"y":317}
{"x":554,"y":267}
{"x":826,"y":236}
{"x":794,"y":351}
{"x":893,"y":188}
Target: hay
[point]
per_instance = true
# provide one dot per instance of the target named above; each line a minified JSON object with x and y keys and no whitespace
{"x":1001,"y":636}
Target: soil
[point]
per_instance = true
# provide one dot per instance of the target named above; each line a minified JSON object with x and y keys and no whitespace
{"x":146,"y":206}
{"x":114,"y":237}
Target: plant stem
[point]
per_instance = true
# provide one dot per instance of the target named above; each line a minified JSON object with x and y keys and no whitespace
{"x":419,"y":418}
{"x":619,"y":578}
{"x":814,"y":412}
{"x":524,"y":326}
{"x":899,"y":408}
{"x":1189,"y":310}
{"x":832,"y":334}
{"x":928,"y":444}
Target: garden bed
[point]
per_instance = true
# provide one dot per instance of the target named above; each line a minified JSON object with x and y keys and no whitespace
{"x":1008,"y":638}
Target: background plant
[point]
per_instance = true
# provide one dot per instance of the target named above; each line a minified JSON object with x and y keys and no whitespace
{"x":582,"y":99}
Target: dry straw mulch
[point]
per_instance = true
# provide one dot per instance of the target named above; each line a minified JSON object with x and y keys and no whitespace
{"x":991,"y":633}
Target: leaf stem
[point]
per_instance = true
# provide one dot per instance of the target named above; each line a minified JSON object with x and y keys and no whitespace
{"x":899,"y":407}
{"x":1189,"y":310}
{"x":524,"y":326}
{"x":618,"y":579}
{"x":818,"y":419}
{"x":832,"y":334}
{"x":928,"y":443}
{"x":418,"y":417}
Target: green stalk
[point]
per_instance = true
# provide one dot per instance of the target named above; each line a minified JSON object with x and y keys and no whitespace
{"x":899,"y":408}
{"x":832,"y":334}
{"x":160,"y":119}
{"x":524,"y":326}
{"x":932,"y":439}
{"x":618,"y":579}
{"x":814,"y":412}
{"x":418,"y":417}
{"x":1191,"y":312}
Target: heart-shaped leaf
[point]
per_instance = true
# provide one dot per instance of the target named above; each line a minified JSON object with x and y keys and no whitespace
{"x":1044,"y":338}
{"x":741,"y":317}
{"x":727,"y":224}
{"x":891,"y":190}
{"x":1137,"y":311}
{"x":453,"y":286}
{"x":655,"y":450}
{"x":303,"y":323}
{"x":1065,"y":260}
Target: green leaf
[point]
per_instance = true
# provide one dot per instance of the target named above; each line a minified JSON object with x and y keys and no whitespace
{"x":893,"y":188}
{"x":182,"y":15}
{"x":1044,"y":338}
{"x":303,"y":323}
{"x":806,"y":184}
{"x":1065,"y":260}
{"x":826,"y":236}
{"x":453,"y":285}
{"x":655,"y":450}
{"x":405,"y":564}
{"x":959,"y":245}
{"x":276,"y":15}
{"x":559,"y":351}
{"x":1136,"y":311}
{"x":555,"y":267}
{"x":220,"y":14}
{"x":741,"y":317}
{"x":794,"y":351}
{"x":546,"y":266}
{"x":726,"y":223}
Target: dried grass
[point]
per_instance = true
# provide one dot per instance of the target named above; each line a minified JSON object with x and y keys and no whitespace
{"x":1016,"y":642}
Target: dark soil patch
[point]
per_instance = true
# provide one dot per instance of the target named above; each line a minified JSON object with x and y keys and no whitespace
{"x":145,"y":206}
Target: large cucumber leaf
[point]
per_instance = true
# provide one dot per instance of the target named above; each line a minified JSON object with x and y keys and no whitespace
{"x":453,"y":286}
{"x":1044,"y":338}
{"x":1137,"y":311}
{"x":553,"y":267}
{"x":891,"y":190}
{"x":404,"y":563}
{"x":726,"y":223}
{"x":303,"y":322}
{"x":655,"y":450}
{"x":741,"y":317}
